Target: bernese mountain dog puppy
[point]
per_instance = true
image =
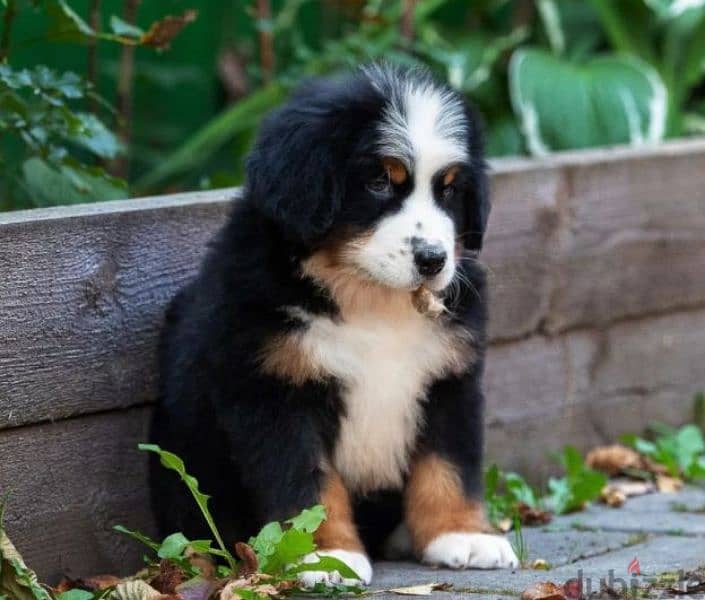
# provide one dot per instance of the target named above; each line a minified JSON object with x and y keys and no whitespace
{"x":330,"y":350}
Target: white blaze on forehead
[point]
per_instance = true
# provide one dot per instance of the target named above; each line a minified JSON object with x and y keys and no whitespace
{"x":422,"y":123}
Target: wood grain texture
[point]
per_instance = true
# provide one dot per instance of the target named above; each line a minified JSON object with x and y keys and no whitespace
{"x":81,"y":300}
{"x":70,"y":483}
{"x":579,"y":240}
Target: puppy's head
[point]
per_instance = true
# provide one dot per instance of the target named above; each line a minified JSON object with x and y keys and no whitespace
{"x":385,"y":166}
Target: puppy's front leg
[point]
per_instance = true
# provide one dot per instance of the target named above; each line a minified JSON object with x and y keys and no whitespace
{"x":443,"y":506}
{"x":337,"y":536}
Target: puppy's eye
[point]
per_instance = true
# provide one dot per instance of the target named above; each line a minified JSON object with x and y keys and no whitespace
{"x":381,"y":184}
{"x":448,"y":193}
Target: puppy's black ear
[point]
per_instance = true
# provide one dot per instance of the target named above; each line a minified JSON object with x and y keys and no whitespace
{"x":478,"y":204}
{"x":292,"y":172}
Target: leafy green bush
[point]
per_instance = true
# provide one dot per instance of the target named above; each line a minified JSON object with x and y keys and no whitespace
{"x":546,"y":75}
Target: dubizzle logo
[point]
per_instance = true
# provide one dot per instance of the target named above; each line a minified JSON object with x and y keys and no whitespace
{"x":633,"y":567}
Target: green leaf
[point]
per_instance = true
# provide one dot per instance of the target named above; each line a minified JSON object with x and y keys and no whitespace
{"x":123,"y":28}
{"x":71,"y":183}
{"x":310,"y":519}
{"x":75,"y":595}
{"x":140,"y":537}
{"x":173,"y":462}
{"x":605,"y":101}
{"x":74,"y":18}
{"x":173,"y":546}
{"x":327,"y":564}
{"x":292,"y":546}
{"x":580,"y":484}
{"x":93,"y":135}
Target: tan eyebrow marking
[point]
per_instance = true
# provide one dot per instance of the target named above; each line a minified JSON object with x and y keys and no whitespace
{"x":395,"y":168}
{"x":450,"y":175}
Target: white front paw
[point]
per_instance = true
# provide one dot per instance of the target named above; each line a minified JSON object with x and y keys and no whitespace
{"x":470,"y":550}
{"x":357,"y":561}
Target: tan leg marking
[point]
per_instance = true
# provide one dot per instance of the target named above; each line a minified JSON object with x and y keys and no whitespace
{"x":338,"y":531}
{"x":435,"y":503}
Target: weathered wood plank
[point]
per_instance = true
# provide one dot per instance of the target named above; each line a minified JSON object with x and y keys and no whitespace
{"x":576,"y":240}
{"x":582,"y":240}
{"x":82,"y":294}
{"x":70,"y":483}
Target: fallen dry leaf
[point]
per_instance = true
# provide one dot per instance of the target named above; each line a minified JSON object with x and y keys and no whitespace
{"x":169,"y":577}
{"x":421,"y":590}
{"x":248,"y":557}
{"x":668,"y":485}
{"x":136,"y":590}
{"x":545,"y":590}
{"x":533,"y":516}
{"x":617,"y":491}
{"x":162,"y":32}
{"x":614,"y":459}
{"x":204,"y":563}
{"x":197,"y":588}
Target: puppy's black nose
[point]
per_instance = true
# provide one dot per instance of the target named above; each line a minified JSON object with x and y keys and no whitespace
{"x":429,"y":258}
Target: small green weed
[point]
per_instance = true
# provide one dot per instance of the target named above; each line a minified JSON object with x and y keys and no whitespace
{"x":680,"y":451}
{"x":580,"y":485}
{"x":505,"y":492}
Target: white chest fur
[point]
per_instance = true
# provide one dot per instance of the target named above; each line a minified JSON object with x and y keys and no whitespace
{"x":385,"y":365}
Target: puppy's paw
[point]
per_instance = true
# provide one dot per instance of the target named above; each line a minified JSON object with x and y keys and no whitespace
{"x":357,"y":561}
{"x":470,"y":551}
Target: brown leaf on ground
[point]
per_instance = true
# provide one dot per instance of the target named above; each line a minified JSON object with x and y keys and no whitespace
{"x":668,"y":484}
{"x":614,"y":459}
{"x":617,"y":491}
{"x":169,"y":577}
{"x":96,"y":583}
{"x":248,"y":557}
{"x":257,"y":583}
{"x":533,"y":516}
{"x":204,"y":563}
{"x":162,"y":32}
{"x":545,"y":590}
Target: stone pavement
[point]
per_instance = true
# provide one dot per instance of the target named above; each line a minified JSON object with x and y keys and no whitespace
{"x":665,"y":532}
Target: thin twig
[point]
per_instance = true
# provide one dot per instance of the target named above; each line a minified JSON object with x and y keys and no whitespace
{"x":407,"y":20}
{"x":95,"y":22}
{"x":8,"y":19}
{"x":125,"y":88}
{"x":266,"y":40}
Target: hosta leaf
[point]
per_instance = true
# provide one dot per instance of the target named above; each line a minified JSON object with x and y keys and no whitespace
{"x":605,"y":101}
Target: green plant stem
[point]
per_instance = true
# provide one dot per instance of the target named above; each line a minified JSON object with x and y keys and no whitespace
{"x":8,"y":20}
